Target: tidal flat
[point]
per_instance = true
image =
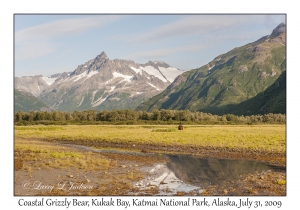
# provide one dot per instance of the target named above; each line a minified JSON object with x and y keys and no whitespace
{"x":150,"y":160}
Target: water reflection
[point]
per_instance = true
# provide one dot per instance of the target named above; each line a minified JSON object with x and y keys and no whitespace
{"x":202,"y":171}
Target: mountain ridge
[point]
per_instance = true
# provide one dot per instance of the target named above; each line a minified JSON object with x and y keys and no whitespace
{"x":229,"y":79}
{"x":101,"y":83}
{"x":25,"y":101}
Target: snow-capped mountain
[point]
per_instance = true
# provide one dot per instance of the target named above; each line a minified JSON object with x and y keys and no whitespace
{"x":32,"y":84}
{"x":35,"y":84}
{"x":101,"y":83}
{"x":51,"y":79}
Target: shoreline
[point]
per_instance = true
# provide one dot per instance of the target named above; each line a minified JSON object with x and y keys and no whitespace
{"x":273,"y":158}
{"x":127,"y":167}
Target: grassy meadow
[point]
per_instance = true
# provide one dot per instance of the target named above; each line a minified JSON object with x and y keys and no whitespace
{"x":51,"y":164}
{"x":269,"y":138}
{"x":54,"y":156}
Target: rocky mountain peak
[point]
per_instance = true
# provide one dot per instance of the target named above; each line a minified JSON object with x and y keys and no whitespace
{"x":32,"y":84}
{"x":101,"y":83}
{"x":101,"y":56}
{"x":281,"y":28}
{"x":158,"y":63}
{"x":92,"y":65}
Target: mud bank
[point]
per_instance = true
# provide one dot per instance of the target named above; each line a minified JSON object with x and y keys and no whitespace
{"x":143,"y":170}
{"x":273,"y":158}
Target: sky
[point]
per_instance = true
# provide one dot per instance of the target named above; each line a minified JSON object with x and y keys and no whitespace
{"x":48,"y":44}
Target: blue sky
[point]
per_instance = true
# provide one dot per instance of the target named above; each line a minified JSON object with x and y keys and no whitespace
{"x":48,"y":44}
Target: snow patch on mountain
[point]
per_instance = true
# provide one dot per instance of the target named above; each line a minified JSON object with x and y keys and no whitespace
{"x":91,"y":74}
{"x":170,"y":72}
{"x":108,"y":81}
{"x":153,"y":86}
{"x":80,"y":102}
{"x":84,"y":74}
{"x":126,"y":77}
{"x":112,"y":88}
{"x":136,"y":70}
{"x":93,"y":95}
{"x":135,"y":93}
{"x":153,"y":71}
{"x":99,"y":101}
{"x":48,"y":80}
{"x":78,"y":77}
{"x":62,"y":80}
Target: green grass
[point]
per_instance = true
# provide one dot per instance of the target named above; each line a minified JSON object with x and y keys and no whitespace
{"x":51,"y":156}
{"x":41,"y":128}
{"x":271,"y":138}
{"x":215,"y":90}
{"x":65,"y":154}
{"x":164,"y":130}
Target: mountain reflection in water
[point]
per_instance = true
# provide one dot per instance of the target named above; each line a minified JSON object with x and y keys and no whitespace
{"x":213,"y":171}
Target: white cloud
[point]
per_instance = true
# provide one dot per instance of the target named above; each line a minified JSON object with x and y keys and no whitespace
{"x":195,"y":25}
{"x":214,"y":30}
{"x":37,"y":41}
{"x":64,"y":27}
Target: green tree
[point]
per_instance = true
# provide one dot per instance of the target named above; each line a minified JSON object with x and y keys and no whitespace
{"x":156,"y":114}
